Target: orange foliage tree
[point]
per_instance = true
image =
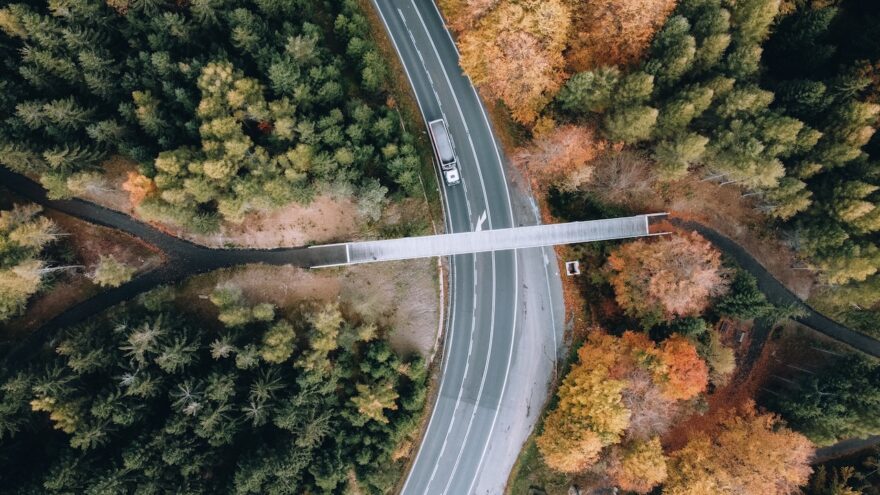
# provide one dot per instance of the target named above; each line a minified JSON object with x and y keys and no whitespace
{"x":639,"y":466}
{"x":515,"y":54}
{"x":614,"y":32}
{"x":617,"y":389}
{"x":562,"y":155}
{"x":657,"y":280}
{"x":686,"y":373}
{"x":139,"y":187}
{"x":747,"y":452}
{"x":463,"y":14}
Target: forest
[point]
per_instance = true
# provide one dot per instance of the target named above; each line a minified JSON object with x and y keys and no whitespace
{"x":613,"y":99}
{"x":779,"y":99}
{"x":226,"y":106}
{"x":151,"y":398}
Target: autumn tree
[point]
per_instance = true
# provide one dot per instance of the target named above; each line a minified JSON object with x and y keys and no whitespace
{"x":720,"y":359}
{"x":564,"y":154}
{"x":515,"y":54}
{"x":278,"y":342}
{"x":686,"y":374}
{"x":614,"y":32}
{"x":23,"y":235}
{"x":138,"y":187}
{"x":590,"y":414}
{"x":638,"y":466}
{"x":372,"y":401}
{"x":464,"y":14}
{"x":657,"y":280}
{"x":746,"y":452}
{"x":109,"y":272}
{"x":621,"y":388}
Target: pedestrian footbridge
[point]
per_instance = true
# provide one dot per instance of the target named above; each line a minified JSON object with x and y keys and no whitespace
{"x":488,"y":240}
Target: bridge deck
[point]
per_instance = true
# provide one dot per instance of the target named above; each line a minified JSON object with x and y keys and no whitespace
{"x":497,"y":240}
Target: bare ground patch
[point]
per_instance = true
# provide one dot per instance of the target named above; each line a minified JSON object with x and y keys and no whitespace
{"x":326,"y":219}
{"x":401,"y":296}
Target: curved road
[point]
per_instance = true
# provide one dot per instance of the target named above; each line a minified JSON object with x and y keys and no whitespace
{"x":505,"y":319}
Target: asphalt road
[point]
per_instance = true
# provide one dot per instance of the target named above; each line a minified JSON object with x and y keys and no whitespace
{"x":505,"y":317}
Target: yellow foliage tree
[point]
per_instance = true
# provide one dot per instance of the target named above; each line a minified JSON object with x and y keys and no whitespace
{"x":139,"y":187}
{"x":639,"y":467}
{"x":371,"y":401}
{"x":590,"y":414}
{"x":65,"y":416}
{"x":621,"y":386}
{"x":748,"y":452}
{"x":515,"y":54}
{"x":463,"y":14}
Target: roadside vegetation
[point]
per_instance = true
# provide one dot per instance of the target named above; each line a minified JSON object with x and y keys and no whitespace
{"x":854,"y":475}
{"x":653,"y":397}
{"x":225,"y":108}
{"x":149,"y":398}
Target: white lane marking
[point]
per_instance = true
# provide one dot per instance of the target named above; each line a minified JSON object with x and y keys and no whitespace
{"x":516,"y":265}
{"x":460,"y":113}
{"x":461,"y":387}
{"x":480,"y":221}
{"x":552,"y":316}
{"x":467,"y":431}
{"x":506,"y":372}
{"x":446,"y":28}
{"x":494,"y":275}
{"x":510,"y":213}
{"x":516,"y":276}
{"x":453,"y":305}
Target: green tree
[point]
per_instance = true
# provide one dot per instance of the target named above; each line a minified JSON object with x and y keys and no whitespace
{"x":841,"y":403}
{"x":23,"y":235}
{"x":674,"y":156}
{"x":744,"y":300}
{"x":589,"y":91}
{"x":631,"y":124}
{"x":109,"y":272}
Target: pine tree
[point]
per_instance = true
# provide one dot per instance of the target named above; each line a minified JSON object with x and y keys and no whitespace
{"x":109,"y":272}
{"x":631,"y":124}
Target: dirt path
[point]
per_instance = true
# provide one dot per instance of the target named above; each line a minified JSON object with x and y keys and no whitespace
{"x":778,"y":294}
